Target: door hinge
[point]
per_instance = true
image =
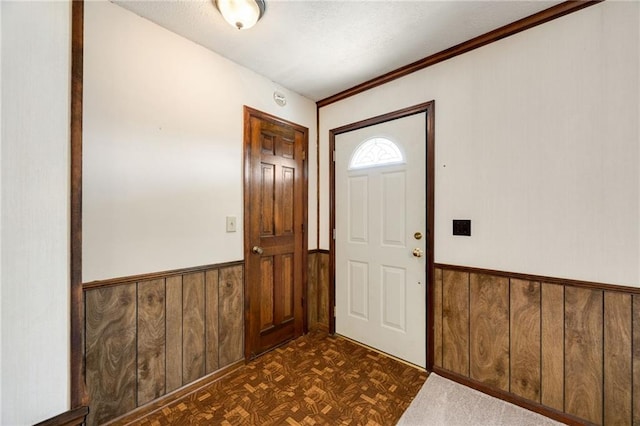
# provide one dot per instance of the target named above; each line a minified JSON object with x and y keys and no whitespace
{"x":304,"y":155}
{"x":303,"y":228}
{"x":334,"y":312}
{"x":334,"y":156}
{"x":334,"y":233}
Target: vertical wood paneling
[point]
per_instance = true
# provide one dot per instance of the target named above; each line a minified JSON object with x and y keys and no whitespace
{"x":489,"y":330}
{"x":231,"y":314}
{"x":323,"y":289}
{"x":151,"y":340}
{"x":617,"y":353}
{"x":552,"y":346}
{"x":571,"y":347}
{"x":211,"y":320}
{"x":312,"y":289}
{"x":174,"y":333}
{"x":437,"y":317}
{"x":193,"y":346}
{"x":636,"y":360}
{"x":111,"y":351}
{"x":455,"y":321}
{"x":525,"y":339}
{"x":266,"y":292}
{"x":583,"y":353}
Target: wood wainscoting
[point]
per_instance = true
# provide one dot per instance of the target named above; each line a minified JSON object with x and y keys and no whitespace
{"x":318,"y":289}
{"x":567,"y":349}
{"x":148,"y":335}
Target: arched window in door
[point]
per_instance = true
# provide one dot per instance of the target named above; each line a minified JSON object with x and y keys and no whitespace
{"x":376,"y":152}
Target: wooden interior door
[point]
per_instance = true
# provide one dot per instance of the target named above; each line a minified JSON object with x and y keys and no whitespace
{"x":275,"y":241}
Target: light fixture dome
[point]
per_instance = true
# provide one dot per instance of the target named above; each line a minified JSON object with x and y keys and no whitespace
{"x":241,"y":14}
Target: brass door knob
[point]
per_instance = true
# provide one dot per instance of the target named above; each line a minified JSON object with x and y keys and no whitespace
{"x":257,"y":250}
{"x":418,"y":252}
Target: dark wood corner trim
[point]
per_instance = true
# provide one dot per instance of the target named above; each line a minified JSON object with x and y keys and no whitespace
{"x":542,"y":279}
{"x":74,"y":417}
{"x":79,"y":395}
{"x":317,"y":176}
{"x":157,"y":275}
{"x":511,"y":398}
{"x":536,"y":19}
{"x":135,"y":416}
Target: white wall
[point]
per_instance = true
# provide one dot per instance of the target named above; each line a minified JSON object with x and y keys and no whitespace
{"x":537,"y":142}
{"x":163,"y":147}
{"x":34,"y":307}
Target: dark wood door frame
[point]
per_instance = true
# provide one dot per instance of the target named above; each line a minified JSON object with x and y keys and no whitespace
{"x":427,"y":108}
{"x":248,"y":244}
{"x":78,"y":391}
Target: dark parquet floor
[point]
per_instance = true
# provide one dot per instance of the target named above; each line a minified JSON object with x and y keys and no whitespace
{"x":316,"y":379}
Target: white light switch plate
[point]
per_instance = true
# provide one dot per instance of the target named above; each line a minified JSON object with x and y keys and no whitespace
{"x":231,"y":224}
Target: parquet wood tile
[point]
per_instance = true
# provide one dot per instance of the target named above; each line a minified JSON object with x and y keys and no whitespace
{"x":316,"y":379}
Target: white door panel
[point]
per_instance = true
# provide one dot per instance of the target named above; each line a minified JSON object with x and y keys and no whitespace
{"x":380,"y":285}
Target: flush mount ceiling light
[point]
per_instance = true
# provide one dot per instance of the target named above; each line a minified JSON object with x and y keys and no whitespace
{"x":241,"y":14}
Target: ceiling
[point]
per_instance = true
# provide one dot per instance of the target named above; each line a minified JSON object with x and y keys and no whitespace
{"x":318,"y":48}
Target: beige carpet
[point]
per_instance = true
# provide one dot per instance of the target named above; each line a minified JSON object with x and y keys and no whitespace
{"x":442,"y":402}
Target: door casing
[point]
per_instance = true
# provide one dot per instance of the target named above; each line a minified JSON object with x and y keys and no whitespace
{"x":427,"y":108}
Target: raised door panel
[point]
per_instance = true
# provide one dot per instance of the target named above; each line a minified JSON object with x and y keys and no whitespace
{"x":394,"y":298}
{"x":358,"y":289}
{"x":287,"y":286}
{"x":393,"y":200}
{"x":285,"y":203}
{"x":267,"y":271}
{"x":267,"y":199}
{"x":357,"y":213}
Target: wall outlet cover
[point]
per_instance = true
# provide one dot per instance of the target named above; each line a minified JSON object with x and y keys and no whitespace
{"x":462,"y":227}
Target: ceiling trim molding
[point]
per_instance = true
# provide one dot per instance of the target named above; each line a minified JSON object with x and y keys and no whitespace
{"x":534,"y":20}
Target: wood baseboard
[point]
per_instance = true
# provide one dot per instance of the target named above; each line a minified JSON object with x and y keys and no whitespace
{"x":511,"y":398}
{"x":73,"y":417}
{"x":134,"y":417}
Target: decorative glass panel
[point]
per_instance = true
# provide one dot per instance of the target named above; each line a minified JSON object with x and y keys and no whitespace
{"x":376,"y":152}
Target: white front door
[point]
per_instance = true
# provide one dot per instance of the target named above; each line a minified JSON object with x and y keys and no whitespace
{"x":380,"y":222}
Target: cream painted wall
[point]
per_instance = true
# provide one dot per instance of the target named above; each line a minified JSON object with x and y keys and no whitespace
{"x":537,"y":142}
{"x":163,"y":147}
{"x":34,"y":283}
